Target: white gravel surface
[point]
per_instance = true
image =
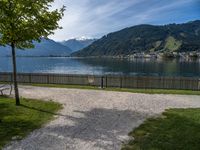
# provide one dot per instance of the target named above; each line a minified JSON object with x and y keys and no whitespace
{"x":94,"y":120}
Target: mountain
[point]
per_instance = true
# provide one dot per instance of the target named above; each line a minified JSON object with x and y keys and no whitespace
{"x":45,"y":48}
{"x":77,"y":44}
{"x":147,"y":38}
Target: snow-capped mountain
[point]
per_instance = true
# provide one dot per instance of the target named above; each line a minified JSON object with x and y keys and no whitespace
{"x":76,"y":44}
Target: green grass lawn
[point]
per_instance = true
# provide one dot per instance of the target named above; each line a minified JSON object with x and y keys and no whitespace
{"x":17,"y":121}
{"x":146,"y":91}
{"x":176,"y":129}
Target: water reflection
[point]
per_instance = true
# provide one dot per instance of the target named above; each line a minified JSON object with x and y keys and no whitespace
{"x":153,"y":67}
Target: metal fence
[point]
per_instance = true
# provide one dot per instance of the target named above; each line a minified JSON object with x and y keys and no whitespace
{"x":139,"y":82}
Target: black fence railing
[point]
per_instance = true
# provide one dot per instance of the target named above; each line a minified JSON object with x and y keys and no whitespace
{"x":140,"y":82}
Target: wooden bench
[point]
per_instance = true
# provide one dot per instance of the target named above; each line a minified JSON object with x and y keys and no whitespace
{"x":6,"y":87}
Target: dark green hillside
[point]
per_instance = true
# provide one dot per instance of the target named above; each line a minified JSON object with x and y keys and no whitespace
{"x":147,"y":38}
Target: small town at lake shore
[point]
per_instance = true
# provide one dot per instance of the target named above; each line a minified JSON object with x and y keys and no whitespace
{"x":181,"y":55}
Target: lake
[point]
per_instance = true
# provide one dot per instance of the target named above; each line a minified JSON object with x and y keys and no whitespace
{"x":102,"y":66}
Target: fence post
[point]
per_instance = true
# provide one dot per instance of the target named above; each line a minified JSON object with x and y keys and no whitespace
{"x":11,"y":78}
{"x":199,"y":84}
{"x":30,"y":78}
{"x":47,"y":79}
{"x":106,"y":82}
{"x":120,"y":82}
{"x":102,"y":82}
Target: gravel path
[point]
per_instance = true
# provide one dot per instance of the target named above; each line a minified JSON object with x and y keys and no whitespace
{"x":95,"y":120}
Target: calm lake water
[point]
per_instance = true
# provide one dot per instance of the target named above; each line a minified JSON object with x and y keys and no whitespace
{"x":143,"y":67}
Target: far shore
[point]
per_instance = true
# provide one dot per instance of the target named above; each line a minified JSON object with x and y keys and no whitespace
{"x":171,"y":55}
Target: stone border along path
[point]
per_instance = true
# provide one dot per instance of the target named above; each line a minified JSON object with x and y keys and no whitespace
{"x":94,"y":120}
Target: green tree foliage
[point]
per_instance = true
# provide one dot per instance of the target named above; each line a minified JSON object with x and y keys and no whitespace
{"x":25,"y":21}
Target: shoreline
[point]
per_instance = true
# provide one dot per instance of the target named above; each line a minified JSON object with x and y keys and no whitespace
{"x":112,"y":57}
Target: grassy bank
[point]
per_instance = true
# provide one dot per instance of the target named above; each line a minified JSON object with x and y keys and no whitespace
{"x":17,"y":121}
{"x":175,"y":129}
{"x":146,"y":91}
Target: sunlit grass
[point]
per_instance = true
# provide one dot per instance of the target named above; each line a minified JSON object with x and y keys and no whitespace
{"x":176,"y":129}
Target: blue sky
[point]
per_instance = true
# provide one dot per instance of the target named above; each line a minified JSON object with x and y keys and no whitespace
{"x":95,"y":18}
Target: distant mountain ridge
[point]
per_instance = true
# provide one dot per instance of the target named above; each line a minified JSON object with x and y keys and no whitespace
{"x":146,"y":38}
{"x":46,"y":48}
{"x":77,"y":44}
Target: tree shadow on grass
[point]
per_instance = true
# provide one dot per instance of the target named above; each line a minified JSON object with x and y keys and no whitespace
{"x":18,"y":121}
{"x":41,"y":110}
{"x":14,"y":130}
{"x":13,"y":126}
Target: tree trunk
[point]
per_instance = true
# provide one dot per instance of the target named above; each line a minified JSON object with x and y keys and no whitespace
{"x":15,"y":75}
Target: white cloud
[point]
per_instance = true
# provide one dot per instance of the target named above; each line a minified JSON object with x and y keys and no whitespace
{"x":94,"y":18}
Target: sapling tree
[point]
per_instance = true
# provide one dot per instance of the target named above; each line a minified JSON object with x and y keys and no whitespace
{"x":25,"y":21}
